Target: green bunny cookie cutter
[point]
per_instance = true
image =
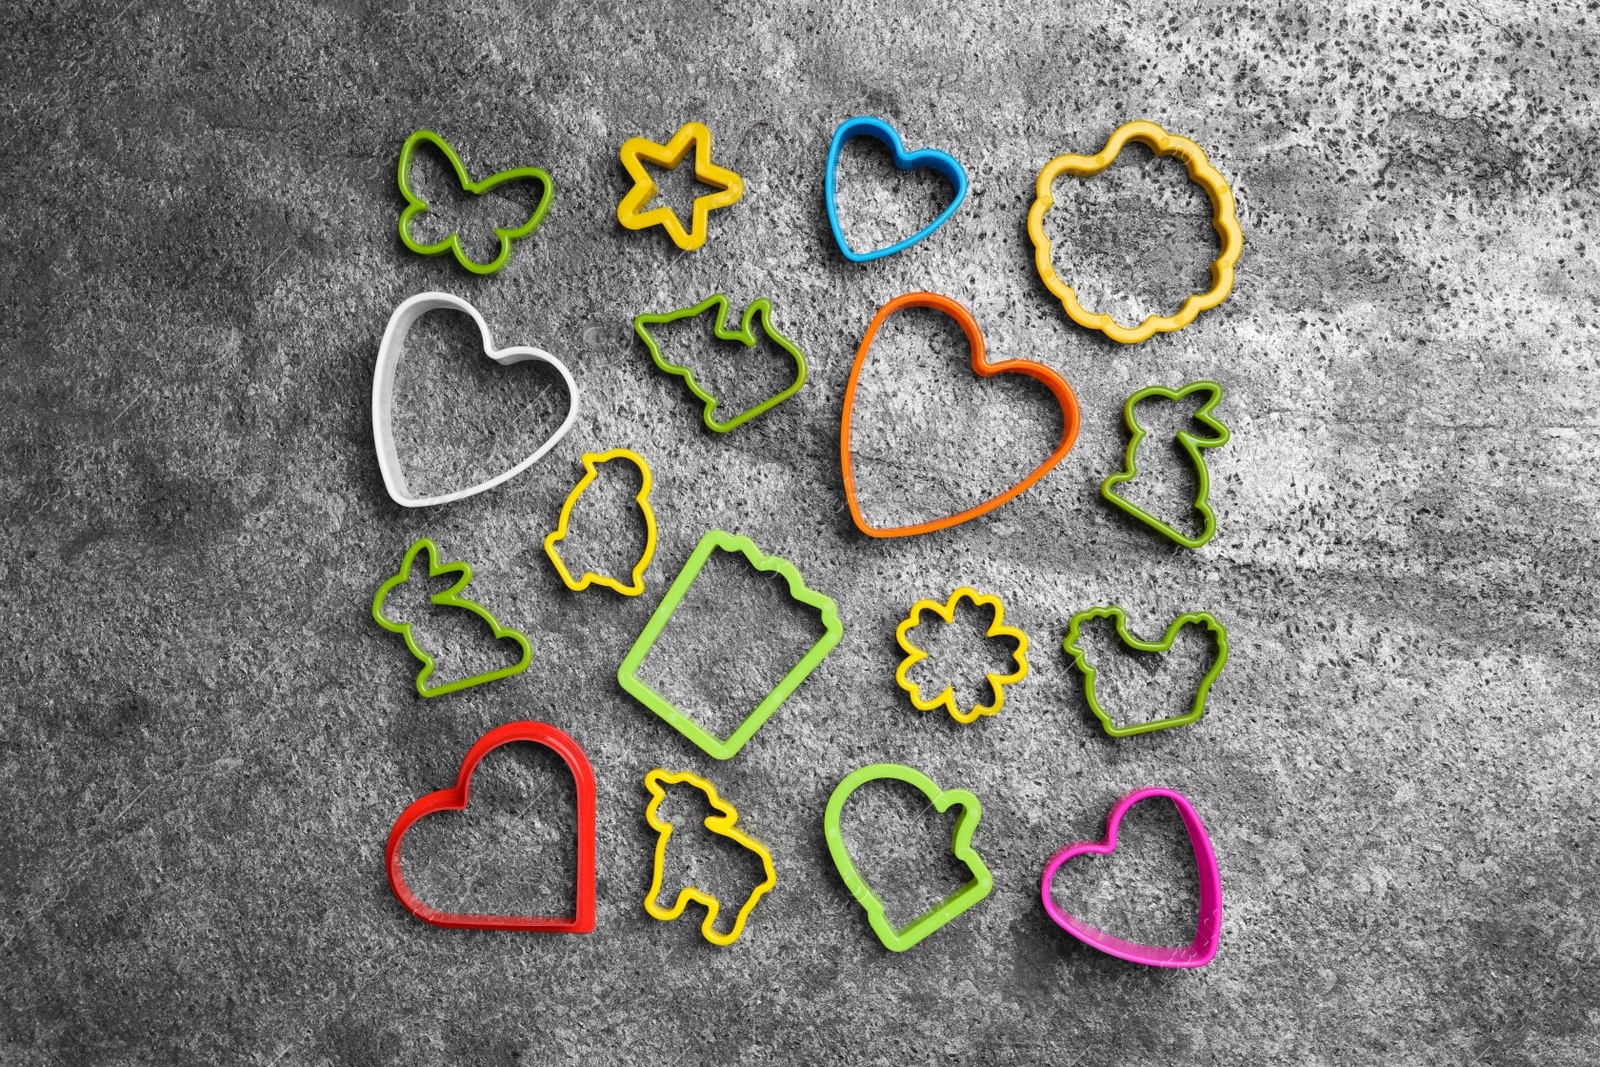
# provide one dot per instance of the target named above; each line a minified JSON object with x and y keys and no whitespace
{"x":416,"y":205}
{"x":450,"y":598}
{"x":744,"y":333}
{"x":711,"y":744}
{"x":1191,"y":443}
{"x":1081,"y":658}
{"x":898,"y":939}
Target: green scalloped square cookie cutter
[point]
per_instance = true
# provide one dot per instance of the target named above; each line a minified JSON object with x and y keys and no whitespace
{"x":898,"y":939}
{"x":416,"y":205}
{"x":711,"y":744}
{"x":1116,"y":614}
{"x":761,"y":306}
{"x":1191,"y":443}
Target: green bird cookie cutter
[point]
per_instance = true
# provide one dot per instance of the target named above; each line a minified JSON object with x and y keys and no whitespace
{"x":898,"y":939}
{"x":1191,"y":443}
{"x":416,"y":205}
{"x":450,"y":598}
{"x":711,"y":744}
{"x":1116,"y":614}
{"x":719,"y":301}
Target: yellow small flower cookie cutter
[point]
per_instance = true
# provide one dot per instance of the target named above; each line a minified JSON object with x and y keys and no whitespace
{"x":1224,"y":219}
{"x":637,"y":151}
{"x":947,"y":612}
{"x":722,"y":825}
{"x":591,"y":468}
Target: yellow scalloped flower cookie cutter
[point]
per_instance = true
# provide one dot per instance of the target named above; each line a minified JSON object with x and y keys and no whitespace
{"x":947,"y":612}
{"x":1224,"y":219}
{"x":591,"y":465}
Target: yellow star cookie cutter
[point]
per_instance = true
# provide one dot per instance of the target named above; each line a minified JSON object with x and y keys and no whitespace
{"x":591,"y":465}
{"x":947,"y":612}
{"x":1224,"y":219}
{"x":721,"y":825}
{"x":636,"y":151}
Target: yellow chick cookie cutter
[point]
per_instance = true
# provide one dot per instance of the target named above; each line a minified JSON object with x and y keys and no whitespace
{"x":1224,"y":219}
{"x":915,"y":655}
{"x":591,"y":464}
{"x":636,"y":151}
{"x":721,"y":825}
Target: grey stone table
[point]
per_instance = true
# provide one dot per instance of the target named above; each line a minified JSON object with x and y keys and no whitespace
{"x":205,"y":739}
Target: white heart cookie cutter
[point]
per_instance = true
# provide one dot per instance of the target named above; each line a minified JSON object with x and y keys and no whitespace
{"x":389,"y":350}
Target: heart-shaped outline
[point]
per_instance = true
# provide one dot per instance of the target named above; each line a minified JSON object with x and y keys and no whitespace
{"x":416,"y":205}
{"x":1120,"y":619}
{"x":984,"y":369}
{"x":456,"y":797}
{"x":591,"y":470}
{"x":1208,"y":929}
{"x":389,"y":352}
{"x":1191,"y":444}
{"x":947,"y":612}
{"x":899,"y":939}
{"x":932,"y":158}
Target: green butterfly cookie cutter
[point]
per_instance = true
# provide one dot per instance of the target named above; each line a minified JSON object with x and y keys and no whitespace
{"x":898,"y":939}
{"x":1191,"y":443}
{"x":1081,"y":658}
{"x":744,"y":333}
{"x":450,"y":598}
{"x":415,"y":205}
{"x":711,"y":744}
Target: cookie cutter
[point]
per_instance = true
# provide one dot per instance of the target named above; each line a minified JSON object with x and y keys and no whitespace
{"x":984,"y":369}
{"x":389,"y":352}
{"x":636,"y":151}
{"x":1224,"y":219}
{"x":709,"y":743}
{"x":720,"y":824}
{"x":931,"y":158}
{"x":744,"y":333}
{"x":1116,"y":614}
{"x":947,"y":612}
{"x":591,"y":464}
{"x":456,"y":797}
{"x":416,"y":205}
{"x":1191,"y":445}
{"x":898,"y":939}
{"x":450,"y":598}
{"x":1208,"y":932}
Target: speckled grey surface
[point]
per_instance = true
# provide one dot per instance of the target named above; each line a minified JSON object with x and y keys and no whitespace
{"x":205,"y":739}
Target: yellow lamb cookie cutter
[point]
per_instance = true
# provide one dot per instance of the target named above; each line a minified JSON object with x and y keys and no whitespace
{"x":947,"y":612}
{"x":1224,"y":219}
{"x":591,"y":463}
{"x":718,"y":824}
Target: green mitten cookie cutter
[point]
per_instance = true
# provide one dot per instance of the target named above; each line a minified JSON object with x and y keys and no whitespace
{"x":711,"y":744}
{"x":450,"y":598}
{"x":898,"y":939}
{"x":1081,"y":658}
{"x":1191,"y":444}
{"x":744,"y":333}
{"x":415,"y":205}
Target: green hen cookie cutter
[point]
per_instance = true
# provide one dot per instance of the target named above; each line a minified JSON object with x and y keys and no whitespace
{"x":898,"y":939}
{"x":1191,"y":443}
{"x":416,"y":205}
{"x":450,"y":598}
{"x":711,"y":744}
{"x":1116,"y":614}
{"x":744,"y":333}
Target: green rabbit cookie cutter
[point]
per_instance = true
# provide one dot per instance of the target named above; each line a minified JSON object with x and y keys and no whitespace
{"x":416,"y":205}
{"x":1081,"y":658}
{"x":898,"y":939}
{"x":1192,"y":445}
{"x":718,"y":303}
{"x":450,"y":598}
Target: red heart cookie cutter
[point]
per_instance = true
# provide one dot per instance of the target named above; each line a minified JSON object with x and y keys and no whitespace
{"x":455,"y":799}
{"x":984,"y":369}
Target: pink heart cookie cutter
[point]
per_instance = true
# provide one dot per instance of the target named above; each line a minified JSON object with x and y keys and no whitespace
{"x":1208,"y":931}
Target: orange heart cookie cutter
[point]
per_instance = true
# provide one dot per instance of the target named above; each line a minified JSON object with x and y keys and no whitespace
{"x":984,"y":369}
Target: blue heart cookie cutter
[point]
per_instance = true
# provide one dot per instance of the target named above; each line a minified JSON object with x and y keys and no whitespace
{"x":933,"y":158}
